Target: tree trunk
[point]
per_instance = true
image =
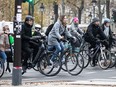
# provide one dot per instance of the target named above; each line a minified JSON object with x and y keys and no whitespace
{"x":80,"y":11}
{"x":100,"y":13}
{"x":108,"y":8}
{"x":79,"y":15}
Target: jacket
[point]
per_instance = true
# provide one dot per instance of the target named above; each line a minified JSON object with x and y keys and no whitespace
{"x":110,"y":32}
{"x":56,"y":33}
{"x":93,"y":31}
{"x":26,"y":34}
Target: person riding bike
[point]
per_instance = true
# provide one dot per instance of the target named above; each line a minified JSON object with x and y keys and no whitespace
{"x":56,"y":36}
{"x":107,"y":30}
{"x":26,"y":35}
{"x":94,"y":34}
{"x":75,"y":30}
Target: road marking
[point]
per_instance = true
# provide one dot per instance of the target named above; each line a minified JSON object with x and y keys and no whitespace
{"x":90,"y":72}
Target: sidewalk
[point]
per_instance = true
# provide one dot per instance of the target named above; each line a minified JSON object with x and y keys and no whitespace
{"x":60,"y":84}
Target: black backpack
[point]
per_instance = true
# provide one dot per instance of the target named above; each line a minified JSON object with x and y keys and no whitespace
{"x":49,"y":29}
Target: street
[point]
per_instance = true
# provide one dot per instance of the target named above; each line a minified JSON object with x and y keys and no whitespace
{"x":89,"y":75}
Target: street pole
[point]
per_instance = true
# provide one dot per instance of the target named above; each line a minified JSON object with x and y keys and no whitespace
{"x":17,"y":76}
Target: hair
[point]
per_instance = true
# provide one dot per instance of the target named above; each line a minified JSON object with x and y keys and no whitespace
{"x":61,"y":17}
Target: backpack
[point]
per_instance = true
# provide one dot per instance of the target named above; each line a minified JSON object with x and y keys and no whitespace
{"x":49,"y":29}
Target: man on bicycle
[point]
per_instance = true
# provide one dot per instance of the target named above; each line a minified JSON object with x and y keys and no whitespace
{"x":26,"y":37}
{"x":93,"y":33}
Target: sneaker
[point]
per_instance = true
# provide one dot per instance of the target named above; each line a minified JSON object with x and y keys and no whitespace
{"x":24,"y":68}
{"x":56,"y":64}
{"x":63,"y":60}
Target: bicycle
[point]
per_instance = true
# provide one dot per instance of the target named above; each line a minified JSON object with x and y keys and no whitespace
{"x":101,"y":54}
{"x":74,"y":61}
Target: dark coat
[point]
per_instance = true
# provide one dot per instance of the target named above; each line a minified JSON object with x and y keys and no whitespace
{"x":26,"y":34}
{"x":92,"y":32}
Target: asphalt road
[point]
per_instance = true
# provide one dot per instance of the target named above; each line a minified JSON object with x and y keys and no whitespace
{"x":89,"y":74}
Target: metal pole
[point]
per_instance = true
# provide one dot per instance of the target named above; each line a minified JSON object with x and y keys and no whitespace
{"x":17,"y":76}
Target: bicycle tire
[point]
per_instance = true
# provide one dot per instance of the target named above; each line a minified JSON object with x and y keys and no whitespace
{"x":113,"y":60}
{"x":105,"y":61}
{"x":49,"y":73}
{"x":70,"y":71}
{"x":2,"y":68}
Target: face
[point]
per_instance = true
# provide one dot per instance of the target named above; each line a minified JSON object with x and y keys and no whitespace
{"x":65,"y":21}
{"x":107,"y":24}
{"x":30,"y":22}
{"x":97,"y":23}
{"x":6,"y":29}
{"x":76,"y":22}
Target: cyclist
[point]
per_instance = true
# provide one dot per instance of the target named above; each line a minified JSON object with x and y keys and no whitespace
{"x":56,"y":35}
{"x":26,"y":37}
{"x":75,"y":30}
{"x":91,"y":34}
{"x":107,"y":30}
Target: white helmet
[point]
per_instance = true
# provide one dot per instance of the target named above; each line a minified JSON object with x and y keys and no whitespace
{"x":37,"y":26}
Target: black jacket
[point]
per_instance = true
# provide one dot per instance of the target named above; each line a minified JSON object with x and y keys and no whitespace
{"x":26,"y":34}
{"x":110,"y":32}
{"x":93,"y":31}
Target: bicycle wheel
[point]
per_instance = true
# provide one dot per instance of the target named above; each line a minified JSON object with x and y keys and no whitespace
{"x":86,"y":57}
{"x":104,"y":59}
{"x":1,"y":67}
{"x":74,"y":64}
{"x":113,"y":60}
{"x":48,"y":69}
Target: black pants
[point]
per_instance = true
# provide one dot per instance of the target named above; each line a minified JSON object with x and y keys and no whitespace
{"x":27,"y":51}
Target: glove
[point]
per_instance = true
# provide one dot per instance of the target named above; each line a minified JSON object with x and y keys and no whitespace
{"x":97,"y":41}
{"x":73,"y":39}
{"x":43,"y":37}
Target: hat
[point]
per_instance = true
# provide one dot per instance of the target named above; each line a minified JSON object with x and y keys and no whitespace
{"x":95,"y":20}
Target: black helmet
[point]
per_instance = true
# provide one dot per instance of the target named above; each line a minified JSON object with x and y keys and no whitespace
{"x":28,"y":18}
{"x":95,"y":20}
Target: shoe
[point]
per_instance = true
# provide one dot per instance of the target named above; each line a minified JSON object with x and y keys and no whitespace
{"x":56,"y":64}
{"x":24,"y":68}
{"x":63,"y":60}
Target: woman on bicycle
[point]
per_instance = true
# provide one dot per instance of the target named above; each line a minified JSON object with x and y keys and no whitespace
{"x":56,"y":36}
{"x":76,"y":31}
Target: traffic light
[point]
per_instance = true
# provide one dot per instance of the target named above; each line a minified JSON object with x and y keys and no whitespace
{"x":27,"y":1}
{"x":114,"y":15}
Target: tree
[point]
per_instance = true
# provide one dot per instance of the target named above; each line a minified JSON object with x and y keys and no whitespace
{"x":108,"y":8}
{"x":77,"y":7}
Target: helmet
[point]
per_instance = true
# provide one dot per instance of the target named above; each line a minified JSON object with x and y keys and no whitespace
{"x":107,"y":20}
{"x":95,"y":20}
{"x":37,"y":27}
{"x":75,"y":19}
{"x":28,"y":18}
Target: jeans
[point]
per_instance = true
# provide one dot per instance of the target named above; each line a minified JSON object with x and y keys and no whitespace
{"x":58,"y":48}
{"x":3,"y":55}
